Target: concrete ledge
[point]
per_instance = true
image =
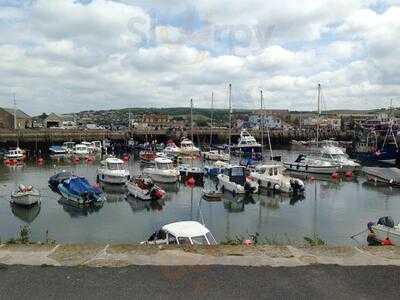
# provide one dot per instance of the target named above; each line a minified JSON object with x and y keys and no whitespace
{"x":126,"y":255}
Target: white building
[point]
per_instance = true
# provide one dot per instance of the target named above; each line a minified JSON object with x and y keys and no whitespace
{"x":270,"y":121}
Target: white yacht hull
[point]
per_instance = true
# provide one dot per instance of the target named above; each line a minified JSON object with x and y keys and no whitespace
{"x":296,"y":167}
{"x":113,"y":179}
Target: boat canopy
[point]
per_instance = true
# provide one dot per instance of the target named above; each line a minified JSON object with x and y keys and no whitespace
{"x":79,"y":185}
{"x":186,"y":229}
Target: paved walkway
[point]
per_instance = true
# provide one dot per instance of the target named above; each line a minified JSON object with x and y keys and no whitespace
{"x":127,"y":255}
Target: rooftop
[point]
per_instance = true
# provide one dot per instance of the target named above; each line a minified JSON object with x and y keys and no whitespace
{"x":19,"y":113}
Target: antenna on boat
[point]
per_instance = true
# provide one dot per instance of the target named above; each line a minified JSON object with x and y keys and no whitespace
{"x":212,"y":118}
{"x":319,"y":112}
{"x":230,"y":117}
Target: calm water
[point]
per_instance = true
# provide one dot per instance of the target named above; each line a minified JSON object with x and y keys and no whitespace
{"x":334,"y":210}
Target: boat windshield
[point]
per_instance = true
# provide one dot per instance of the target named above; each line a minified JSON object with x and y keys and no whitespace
{"x":164,"y":166}
{"x":199,"y":240}
{"x":115,"y":166}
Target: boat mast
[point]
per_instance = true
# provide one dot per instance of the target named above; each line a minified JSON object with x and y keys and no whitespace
{"x":230,"y":117}
{"x":264,"y":117}
{"x":191,"y":119}
{"x":319,"y":111}
{"x":262,"y":120}
{"x":15,"y":113}
{"x":212,"y":118}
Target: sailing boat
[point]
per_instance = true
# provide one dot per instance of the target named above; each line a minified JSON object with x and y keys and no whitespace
{"x":187,"y":146}
{"x":307,"y":164}
{"x":214,"y":155}
{"x":15,"y":155}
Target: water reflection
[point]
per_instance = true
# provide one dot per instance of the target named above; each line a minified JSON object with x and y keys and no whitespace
{"x":383,"y":189}
{"x":138,"y":205}
{"x":76,"y":212}
{"x":114,"y":192}
{"x":28,"y":215}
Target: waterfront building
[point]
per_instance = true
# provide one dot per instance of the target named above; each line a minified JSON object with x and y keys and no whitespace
{"x":22,"y":120}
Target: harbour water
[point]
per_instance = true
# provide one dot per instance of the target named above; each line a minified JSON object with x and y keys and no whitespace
{"x":332,"y":209}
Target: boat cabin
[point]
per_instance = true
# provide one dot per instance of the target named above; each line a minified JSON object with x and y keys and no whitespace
{"x":187,"y":144}
{"x":236,"y":174}
{"x":69,"y":145}
{"x":270,"y":170}
{"x":246,"y":139}
{"x":113,"y":163}
{"x":81,"y":148}
{"x":182,"y":233}
{"x":163,"y":163}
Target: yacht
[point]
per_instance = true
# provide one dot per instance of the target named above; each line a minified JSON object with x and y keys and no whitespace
{"x":17,"y":154}
{"x":172,"y":149}
{"x":113,"y":171}
{"x":163,"y":171}
{"x":188,"y":148}
{"x":307,"y":164}
{"x":271,"y":177}
{"x":337,"y":156}
{"x":247,"y":145}
{"x":216,"y":155}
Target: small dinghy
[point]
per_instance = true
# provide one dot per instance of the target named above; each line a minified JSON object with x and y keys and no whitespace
{"x":383,"y":232}
{"x":144,"y":189}
{"x":25,"y":196}
{"x":212,"y":195}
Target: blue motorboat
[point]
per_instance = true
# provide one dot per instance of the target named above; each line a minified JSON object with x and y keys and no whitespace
{"x":79,"y":192}
{"x":58,"y":150}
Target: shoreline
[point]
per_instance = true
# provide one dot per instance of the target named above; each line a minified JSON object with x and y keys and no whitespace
{"x":100,"y":255}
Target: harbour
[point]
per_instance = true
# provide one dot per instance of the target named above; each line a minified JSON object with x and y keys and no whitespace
{"x":331,"y":208}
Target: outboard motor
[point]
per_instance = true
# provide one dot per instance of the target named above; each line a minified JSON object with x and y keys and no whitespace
{"x":297,"y":186}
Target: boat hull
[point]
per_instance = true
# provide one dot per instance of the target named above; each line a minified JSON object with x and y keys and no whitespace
{"x":25,"y":199}
{"x":295,"y":167}
{"x":112,"y":179}
{"x":78,"y":200}
{"x":383,"y":232}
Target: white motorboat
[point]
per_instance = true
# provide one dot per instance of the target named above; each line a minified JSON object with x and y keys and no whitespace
{"x":247,"y":145}
{"x":182,"y":233}
{"x":307,"y":164}
{"x":271,"y":177}
{"x":216,"y":155}
{"x":188,"y":148}
{"x":337,"y":156}
{"x":172,"y":149}
{"x":69,"y":146}
{"x":91,"y":147}
{"x":163,"y":171}
{"x":113,"y":171}
{"x":216,"y":168}
{"x":144,"y":189}
{"x":57,"y":150}
{"x":234,"y":180}
{"x":25,"y":196}
{"x":17,"y":154}
{"x":81,"y":150}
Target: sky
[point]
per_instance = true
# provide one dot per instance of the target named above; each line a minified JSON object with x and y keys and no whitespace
{"x":71,"y":55}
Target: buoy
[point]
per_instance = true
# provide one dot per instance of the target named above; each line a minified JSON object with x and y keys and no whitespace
{"x":7,"y":161}
{"x":76,"y":159}
{"x":40,"y":161}
{"x":335,"y":175}
{"x":248,"y":242}
{"x":126,"y":157}
{"x":349,"y":174}
{"x":191,"y":182}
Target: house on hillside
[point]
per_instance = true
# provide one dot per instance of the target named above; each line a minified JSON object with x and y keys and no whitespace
{"x":22,"y":120}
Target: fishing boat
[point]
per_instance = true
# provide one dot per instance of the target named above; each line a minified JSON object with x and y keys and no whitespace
{"x":163,"y":171}
{"x":188,"y":148}
{"x":58,"y":150}
{"x":113,"y":171}
{"x":25,"y":196}
{"x":182,"y":233}
{"x":212,"y":196}
{"x":79,"y":192}
{"x":336,"y":155}
{"x":147,"y":156}
{"x":216,"y":168}
{"x":247,"y":146}
{"x":144,"y":189}
{"x":234,"y":180}
{"x":384,"y":176}
{"x":384,"y":229}
{"x":216,"y":155}
{"x":81,"y":150}
{"x":307,"y":164}
{"x":271,"y":177}
{"x":172,"y":149}
{"x":15,"y":154}
{"x":55,"y":180}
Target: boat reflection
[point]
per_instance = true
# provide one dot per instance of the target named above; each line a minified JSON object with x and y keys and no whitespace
{"x":237,"y":204}
{"x":76,"y":212}
{"x":380,"y":188}
{"x":139,"y":205}
{"x":169,"y":187}
{"x":114,"y":192}
{"x":25,"y":214}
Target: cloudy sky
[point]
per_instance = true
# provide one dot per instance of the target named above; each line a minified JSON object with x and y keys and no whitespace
{"x":71,"y":55}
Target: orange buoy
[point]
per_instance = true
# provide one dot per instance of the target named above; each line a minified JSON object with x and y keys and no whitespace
{"x":335,"y":175}
{"x":7,"y":161}
{"x":126,"y":157}
{"x":40,"y":161}
{"x":248,"y":242}
{"x":191,"y":182}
